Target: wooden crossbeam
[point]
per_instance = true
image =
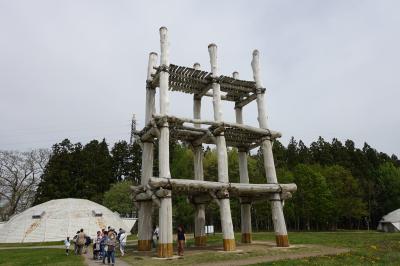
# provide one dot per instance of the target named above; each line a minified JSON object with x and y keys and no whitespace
{"x":246,"y":101}
{"x":267,"y":132}
{"x":236,"y":188}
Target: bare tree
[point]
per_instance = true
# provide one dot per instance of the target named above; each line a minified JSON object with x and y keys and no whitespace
{"x":20,"y":174}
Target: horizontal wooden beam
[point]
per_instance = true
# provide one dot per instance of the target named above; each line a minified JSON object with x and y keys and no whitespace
{"x":236,"y":188}
{"x":246,"y":101}
{"x":272,"y":133}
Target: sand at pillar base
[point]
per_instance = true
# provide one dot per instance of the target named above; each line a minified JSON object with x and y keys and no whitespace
{"x":144,"y":245}
{"x":200,"y":241}
{"x":165,"y":250}
{"x":229,"y":244}
{"x":246,"y":238}
{"x":282,"y":240}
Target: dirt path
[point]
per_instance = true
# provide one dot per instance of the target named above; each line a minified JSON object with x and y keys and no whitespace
{"x":90,"y":262}
{"x":323,"y":251}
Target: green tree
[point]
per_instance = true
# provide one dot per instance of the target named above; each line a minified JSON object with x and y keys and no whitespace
{"x":389,"y":187}
{"x":61,"y":173}
{"x":118,"y":198}
{"x":126,"y":161}
{"x":96,"y":172}
{"x":182,"y":163}
{"x":312,"y":199}
{"x":76,"y":171}
{"x":345,"y":192}
{"x":292,"y":154}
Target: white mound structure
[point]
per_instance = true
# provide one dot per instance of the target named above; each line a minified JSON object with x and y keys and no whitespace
{"x":56,"y":219}
{"x":390,"y":222}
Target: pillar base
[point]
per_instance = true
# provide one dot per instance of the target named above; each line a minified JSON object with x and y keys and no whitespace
{"x":144,"y":245}
{"x":200,"y":241}
{"x":282,"y":240}
{"x":229,"y":245}
{"x":165,"y":250}
{"x":246,"y":238}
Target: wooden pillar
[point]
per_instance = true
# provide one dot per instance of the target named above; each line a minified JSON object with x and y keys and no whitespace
{"x":245,"y":204}
{"x":145,"y":222}
{"x":200,"y":238}
{"x":225,"y":208}
{"x":278,"y":218}
{"x":165,"y":248}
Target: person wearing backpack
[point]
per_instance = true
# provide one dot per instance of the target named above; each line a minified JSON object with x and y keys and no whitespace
{"x":80,"y":241}
{"x":119,"y":234}
{"x":75,"y":243}
{"x":88,"y":241}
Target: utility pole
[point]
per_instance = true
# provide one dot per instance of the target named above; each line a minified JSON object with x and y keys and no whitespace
{"x":133,"y":130}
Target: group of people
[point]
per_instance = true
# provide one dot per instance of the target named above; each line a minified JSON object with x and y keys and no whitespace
{"x":81,"y":243}
{"x":104,"y":244}
{"x":106,"y":241}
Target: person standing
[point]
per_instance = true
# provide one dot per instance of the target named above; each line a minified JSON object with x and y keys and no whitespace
{"x":88,"y":241}
{"x":103,"y":246}
{"x":155,"y":237}
{"x":75,"y":240}
{"x":96,"y":246}
{"x":111,"y":243}
{"x":122,"y":241}
{"x":67,"y":245}
{"x":81,"y":241}
{"x":181,"y":240}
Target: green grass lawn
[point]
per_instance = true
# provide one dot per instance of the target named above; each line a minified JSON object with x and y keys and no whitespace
{"x":367,"y":248}
{"x":25,"y":257}
{"x":33,"y":244}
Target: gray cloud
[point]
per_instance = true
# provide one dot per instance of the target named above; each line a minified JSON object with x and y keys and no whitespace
{"x":76,"y":69}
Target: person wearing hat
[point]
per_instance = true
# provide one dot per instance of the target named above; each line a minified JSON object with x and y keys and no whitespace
{"x":111,"y":242}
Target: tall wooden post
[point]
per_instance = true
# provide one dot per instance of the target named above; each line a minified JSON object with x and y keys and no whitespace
{"x":200,"y":238}
{"x":245,"y":204}
{"x":165,"y":212}
{"x":278,"y":218}
{"x":225,"y":208}
{"x":146,"y":207}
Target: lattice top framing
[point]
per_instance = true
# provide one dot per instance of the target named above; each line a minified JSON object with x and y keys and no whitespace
{"x":198,"y":82}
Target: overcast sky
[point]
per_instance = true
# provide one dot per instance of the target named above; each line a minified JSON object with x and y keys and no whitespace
{"x":77,"y":69}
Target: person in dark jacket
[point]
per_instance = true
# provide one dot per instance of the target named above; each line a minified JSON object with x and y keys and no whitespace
{"x":103,"y":246}
{"x":181,"y":240}
{"x":87,"y":243}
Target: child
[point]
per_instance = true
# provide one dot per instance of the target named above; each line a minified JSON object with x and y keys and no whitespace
{"x":67,"y":245}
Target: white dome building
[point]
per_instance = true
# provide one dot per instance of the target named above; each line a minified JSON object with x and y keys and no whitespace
{"x":390,"y":222}
{"x":56,"y":219}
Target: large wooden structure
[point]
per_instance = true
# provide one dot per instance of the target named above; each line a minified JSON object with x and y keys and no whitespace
{"x":156,"y":192}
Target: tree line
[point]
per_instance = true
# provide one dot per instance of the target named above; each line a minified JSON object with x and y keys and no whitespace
{"x":339,"y":185}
